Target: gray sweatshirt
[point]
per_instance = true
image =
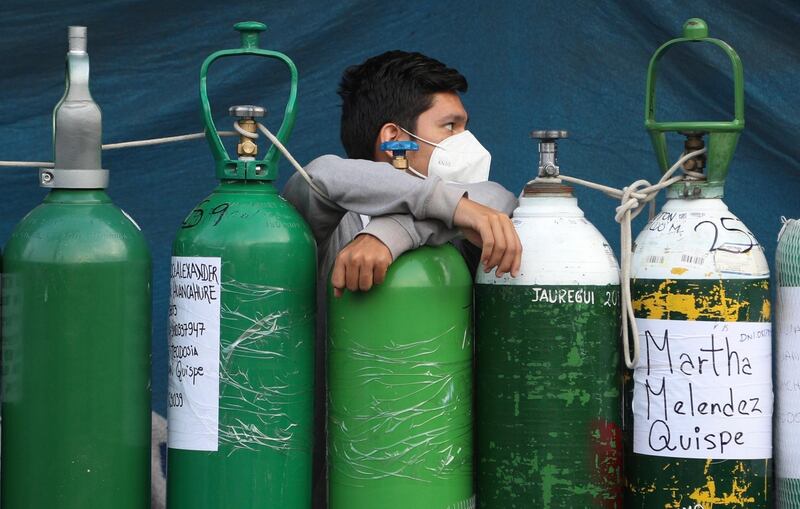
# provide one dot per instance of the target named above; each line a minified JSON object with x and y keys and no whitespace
{"x":405,"y":212}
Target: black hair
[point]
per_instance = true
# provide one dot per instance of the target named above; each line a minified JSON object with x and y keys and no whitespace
{"x":396,"y":86}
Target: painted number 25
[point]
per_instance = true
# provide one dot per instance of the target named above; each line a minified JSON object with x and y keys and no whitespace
{"x":724,"y":222}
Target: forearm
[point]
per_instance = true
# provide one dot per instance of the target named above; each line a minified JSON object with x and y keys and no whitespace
{"x":490,"y":194}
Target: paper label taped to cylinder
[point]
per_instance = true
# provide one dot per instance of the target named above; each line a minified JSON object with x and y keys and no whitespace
{"x":703,"y":389}
{"x":194,"y":335}
{"x":787,"y":382}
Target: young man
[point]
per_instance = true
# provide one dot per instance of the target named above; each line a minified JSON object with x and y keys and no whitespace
{"x":373,"y":212}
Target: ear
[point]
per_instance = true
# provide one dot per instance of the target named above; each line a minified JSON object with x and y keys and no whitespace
{"x":388,"y":132}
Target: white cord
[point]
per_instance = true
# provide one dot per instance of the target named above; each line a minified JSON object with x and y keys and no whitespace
{"x":784,"y":223}
{"x":303,"y":173}
{"x":26,"y":164}
{"x":159,"y":141}
{"x":113,"y":146}
{"x":193,"y":136}
{"x":633,"y":199}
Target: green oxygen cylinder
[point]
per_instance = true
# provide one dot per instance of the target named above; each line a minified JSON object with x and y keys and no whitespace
{"x":787,"y":365}
{"x":699,"y":399}
{"x":547,"y":359}
{"x":76,"y":330}
{"x":241,"y":328}
{"x":400,"y":385}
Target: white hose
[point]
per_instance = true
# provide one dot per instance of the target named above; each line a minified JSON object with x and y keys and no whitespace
{"x":275,"y":141}
{"x":113,"y":146}
{"x":159,"y":141}
{"x":25,"y":164}
{"x":193,"y":136}
{"x":633,"y":199}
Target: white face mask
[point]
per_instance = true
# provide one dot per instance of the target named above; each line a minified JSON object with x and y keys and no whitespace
{"x":458,"y":158}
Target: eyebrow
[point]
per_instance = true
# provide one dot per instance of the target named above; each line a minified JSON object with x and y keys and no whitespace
{"x":454,"y":117}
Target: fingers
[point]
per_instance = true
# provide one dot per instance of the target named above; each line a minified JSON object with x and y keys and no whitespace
{"x":364,"y":275}
{"x":500,"y":244}
{"x":360,"y":265}
{"x":502,"y":249}
{"x":352,"y":277}
{"x":518,"y":258}
{"x":338,"y":276}
{"x":512,"y":248}
{"x":494,"y":232}
{"x":379,"y":272}
{"x":487,"y":237}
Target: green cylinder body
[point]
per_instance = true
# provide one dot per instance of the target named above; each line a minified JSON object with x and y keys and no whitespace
{"x":76,"y":357}
{"x":655,"y":481}
{"x":548,"y":391}
{"x":787,"y":363}
{"x":256,"y":451}
{"x":400,"y":387}
{"x":547,"y":365}
{"x":699,"y":403}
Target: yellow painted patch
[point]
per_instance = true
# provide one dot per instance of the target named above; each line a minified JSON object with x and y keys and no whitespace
{"x":766,"y":311}
{"x":708,"y":497}
{"x":678,"y":270}
{"x":650,"y":488}
{"x":713,"y":305}
{"x":708,"y":465}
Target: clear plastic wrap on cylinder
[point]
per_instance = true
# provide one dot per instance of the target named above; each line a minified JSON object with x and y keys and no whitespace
{"x":787,"y":365}
{"x":400,"y":384}
{"x":241,"y":329}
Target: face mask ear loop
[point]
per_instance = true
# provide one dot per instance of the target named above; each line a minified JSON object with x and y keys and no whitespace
{"x":418,"y":174}
{"x":417,"y":137}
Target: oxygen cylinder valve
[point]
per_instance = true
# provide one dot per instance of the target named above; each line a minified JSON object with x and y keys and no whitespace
{"x":547,"y":181}
{"x":246,"y":115}
{"x":694,"y":141}
{"x":399,"y":149}
{"x":548,"y":152}
{"x":77,"y":126}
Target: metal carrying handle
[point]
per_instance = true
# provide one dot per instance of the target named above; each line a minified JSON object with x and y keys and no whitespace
{"x":266,"y":168}
{"x":723,"y":135}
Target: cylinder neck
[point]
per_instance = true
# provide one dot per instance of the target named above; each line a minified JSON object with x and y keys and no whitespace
{"x":77,"y":196}
{"x":546,"y":187}
{"x":77,"y":39}
{"x":247,"y":186}
{"x":561,"y":205}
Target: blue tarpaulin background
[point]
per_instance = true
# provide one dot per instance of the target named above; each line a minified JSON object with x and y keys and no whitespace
{"x":574,"y":65}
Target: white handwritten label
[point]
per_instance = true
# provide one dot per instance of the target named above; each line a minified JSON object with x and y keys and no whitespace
{"x":703,"y":390}
{"x":787,"y":382}
{"x":193,"y":397}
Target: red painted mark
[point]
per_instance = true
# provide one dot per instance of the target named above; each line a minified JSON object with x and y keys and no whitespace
{"x":606,"y":453}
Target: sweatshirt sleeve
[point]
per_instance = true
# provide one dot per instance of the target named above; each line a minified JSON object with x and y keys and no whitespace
{"x":401,"y":232}
{"x":370,"y":188}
